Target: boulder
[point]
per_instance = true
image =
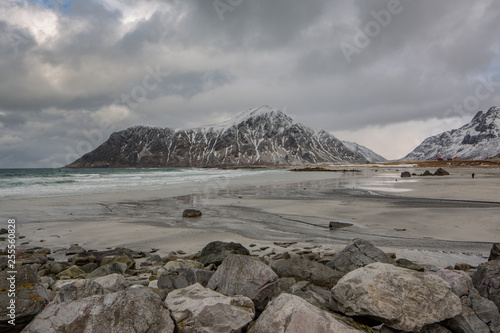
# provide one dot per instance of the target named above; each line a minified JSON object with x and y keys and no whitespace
{"x":181,"y":263}
{"x":241,"y":275}
{"x":426,"y":173}
{"x":478,"y":313}
{"x":71,"y":273}
{"x":405,"y":263}
{"x":30,"y":297}
{"x":191,"y":213}
{"x":74,"y":249}
{"x":216,"y":252}
{"x":315,"y":295}
{"x":112,"y":282}
{"x":441,"y":172}
{"x":184,"y":277}
{"x":401,"y":298}
{"x":338,"y":225}
{"x":123,"y":259}
{"x":77,"y":290}
{"x":303,"y":269}
{"x":58,"y":267}
{"x":291,"y":314}
{"x":199,"y":309}
{"x":271,"y":290}
{"x":405,"y":174}
{"x":495,"y":252}
{"x":358,"y":254}
{"x":114,"y":267}
{"x":487,"y":280}
{"x":136,"y":310}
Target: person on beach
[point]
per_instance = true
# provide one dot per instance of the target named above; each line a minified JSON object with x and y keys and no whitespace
{"x":473,"y":174}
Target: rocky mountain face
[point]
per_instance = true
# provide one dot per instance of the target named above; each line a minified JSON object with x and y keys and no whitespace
{"x":261,"y":136}
{"x":479,"y":139}
{"x":367,"y":153}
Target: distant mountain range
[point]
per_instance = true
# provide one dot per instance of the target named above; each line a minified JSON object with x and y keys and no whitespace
{"x":261,"y":136}
{"x":476,"y":140}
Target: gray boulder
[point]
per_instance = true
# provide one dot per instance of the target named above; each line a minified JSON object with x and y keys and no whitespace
{"x":495,"y":252}
{"x":113,"y":282}
{"x":271,"y":290}
{"x":216,"y":252}
{"x":77,"y":290}
{"x":478,"y":313}
{"x":303,"y":269}
{"x":199,"y":309}
{"x":315,"y":295}
{"x":487,"y":280}
{"x":291,"y":314}
{"x":136,"y":310}
{"x":29,"y":295}
{"x":405,"y":263}
{"x":114,"y":267}
{"x":358,"y":254}
{"x":183,"y":277}
{"x":181,"y":263}
{"x":441,"y":172}
{"x":401,"y":298}
{"x":405,"y":174}
{"x":241,"y":275}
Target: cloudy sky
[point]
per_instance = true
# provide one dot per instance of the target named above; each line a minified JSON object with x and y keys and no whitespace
{"x":385,"y":73}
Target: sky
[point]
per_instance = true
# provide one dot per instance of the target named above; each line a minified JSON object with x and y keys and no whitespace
{"x":384,"y":73}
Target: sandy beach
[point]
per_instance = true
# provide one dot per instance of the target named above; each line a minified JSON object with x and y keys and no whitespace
{"x":437,"y":220}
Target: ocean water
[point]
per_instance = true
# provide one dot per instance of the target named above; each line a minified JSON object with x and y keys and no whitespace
{"x":54,"y":182}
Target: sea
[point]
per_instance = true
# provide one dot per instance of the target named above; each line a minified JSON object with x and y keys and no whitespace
{"x":65,"y":181}
{"x":22,"y":183}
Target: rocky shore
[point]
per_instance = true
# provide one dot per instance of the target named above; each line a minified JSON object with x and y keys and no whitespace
{"x":227,"y":288}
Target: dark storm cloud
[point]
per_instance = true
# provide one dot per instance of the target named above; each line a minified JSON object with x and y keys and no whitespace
{"x":67,"y":70}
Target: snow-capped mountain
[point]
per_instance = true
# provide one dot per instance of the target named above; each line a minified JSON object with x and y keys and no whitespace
{"x":367,"y":153}
{"x":261,"y":136}
{"x":479,"y":139}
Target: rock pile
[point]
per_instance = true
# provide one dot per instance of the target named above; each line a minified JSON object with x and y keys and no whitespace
{"x":225,"y":289}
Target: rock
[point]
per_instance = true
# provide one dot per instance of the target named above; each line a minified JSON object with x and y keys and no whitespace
{"x":401,"y":298}
{"x":271,"y":290}
{"x":241,"y":275}
{"x":487,"y":280}
{"x":43,"y":251}
{"x":302,"y":269}
{"x":74,"y":249}
{"x":426,"y":173}
{"x":3,"y":231}
{"x":114,"y":267}
{"x":441,"y":172}
{"x":405,"y":174}
{"x":495,"y":252}
{"x":113,"y":282}
{"x":183,"y":277}
{"x":81,"y":259}
{"x":58,"y":267}
{"x":77,"y":290}
{"x":291,"y":314}
{"x":181,"y":263}
{"x":88,"y":268}
{"x":191,"y":213}
{"x":315,"y":295}
{"x":459,"y":266}
{"x":30,"y":297}
{"x":478,"y":313}
{"x":136,"y":310}
{"x":405,"y":263}
{"x":216,"y":252}
{"x":71,"y":273}
{"x":358,"y":254}
{"x":123,"y":259}
{"x":199,"y":309}
{"x":338,"y":225}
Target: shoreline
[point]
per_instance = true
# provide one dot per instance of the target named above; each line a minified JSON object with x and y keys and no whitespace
{"x":290,"y":207}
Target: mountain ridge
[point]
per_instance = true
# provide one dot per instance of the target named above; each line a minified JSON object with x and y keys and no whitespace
{"x":262,"y":136}
{"x":476,"y":140}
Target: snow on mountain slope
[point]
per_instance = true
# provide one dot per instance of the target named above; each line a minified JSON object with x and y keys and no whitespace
{"x":478,"y":139}
{"x":369,"y":154}
{"x":260,"y":136}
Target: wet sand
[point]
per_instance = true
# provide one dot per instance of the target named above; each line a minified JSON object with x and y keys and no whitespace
{"x":437,"y":220}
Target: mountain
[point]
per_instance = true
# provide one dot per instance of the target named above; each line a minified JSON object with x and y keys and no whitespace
{"x":367,"y":153}
{"x":477,"y":140}
{"x":261,"y":136}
